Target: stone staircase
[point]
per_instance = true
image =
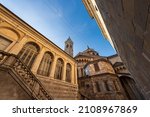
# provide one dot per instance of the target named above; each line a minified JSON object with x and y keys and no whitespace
{"x":24,"y":76}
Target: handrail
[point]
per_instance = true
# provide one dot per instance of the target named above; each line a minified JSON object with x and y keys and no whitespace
{"x":13,"y":62}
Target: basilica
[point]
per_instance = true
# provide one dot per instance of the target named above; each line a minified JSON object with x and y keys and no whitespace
{"x":33,"y":67}
{"x":104,"y":78}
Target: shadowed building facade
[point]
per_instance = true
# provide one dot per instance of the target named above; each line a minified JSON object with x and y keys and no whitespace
{"x":31,"y":66}
{"x":126,"y":25}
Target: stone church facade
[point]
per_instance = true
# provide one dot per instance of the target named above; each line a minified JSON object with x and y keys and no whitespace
{"x":31,"y":66}
{"x":104,"y":78}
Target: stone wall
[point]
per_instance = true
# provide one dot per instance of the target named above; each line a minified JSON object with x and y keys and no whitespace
{"x":10,"y":88}
{"x":94,"y":87}
{"x":128,"y":23}
{"x":104,"y":67}
{"x":118,"y":65}
{"x":114,"y":58}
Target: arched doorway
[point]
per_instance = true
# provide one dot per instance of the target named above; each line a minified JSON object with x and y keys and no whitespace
{"x":130,"y":88}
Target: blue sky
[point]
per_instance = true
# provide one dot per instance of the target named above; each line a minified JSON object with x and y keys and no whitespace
{"x":59,"y":19}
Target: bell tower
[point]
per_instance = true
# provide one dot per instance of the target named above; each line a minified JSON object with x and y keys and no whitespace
{"x":69,"y":46}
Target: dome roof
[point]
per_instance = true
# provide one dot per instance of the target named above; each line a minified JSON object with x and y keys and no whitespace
{"x":89,"y":52}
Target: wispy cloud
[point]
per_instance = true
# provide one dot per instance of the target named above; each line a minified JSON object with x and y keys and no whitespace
{"x":58,"y":19}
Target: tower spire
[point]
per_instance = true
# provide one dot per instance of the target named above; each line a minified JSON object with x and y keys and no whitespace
{"x":87,"y":47}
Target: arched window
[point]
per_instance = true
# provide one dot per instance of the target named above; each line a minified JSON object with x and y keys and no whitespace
{"x":68,"y":72}
{"x":29,"y":53}
{"x":4,"y":43}
{"x":45,"y":65}
{"x":96,"y":67}
{"x":67,"y":46}
{"x":59,"y":69}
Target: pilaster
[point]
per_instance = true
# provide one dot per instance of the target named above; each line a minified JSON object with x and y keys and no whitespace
{"x":75,"y":74}
{"x":16,"y":48}
{"x":64,"y":71}
{"x":72,"y":74}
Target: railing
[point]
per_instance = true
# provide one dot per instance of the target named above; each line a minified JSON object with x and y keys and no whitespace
{"x":34,"y":86}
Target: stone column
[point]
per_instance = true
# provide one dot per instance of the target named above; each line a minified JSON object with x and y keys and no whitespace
{"x":38,"y":61}
{"x":64,"y":71}
{"x":79,"y":71}
{"x":111,"y":85}
{"x":75,"y":73}
{"x":103,"y":86}
{"x":18,"y":45}
{"x":52,"y":72}
{"x":72,"y":74}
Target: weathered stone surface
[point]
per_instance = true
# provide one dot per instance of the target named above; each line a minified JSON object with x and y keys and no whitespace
{"x":60,"y":90}
{"x":10,"y":88}
{"x":102,"y":87}
{"x":128,"y":25}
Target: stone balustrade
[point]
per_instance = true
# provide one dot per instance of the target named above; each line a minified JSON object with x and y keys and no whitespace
{"x":34,"y":86}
